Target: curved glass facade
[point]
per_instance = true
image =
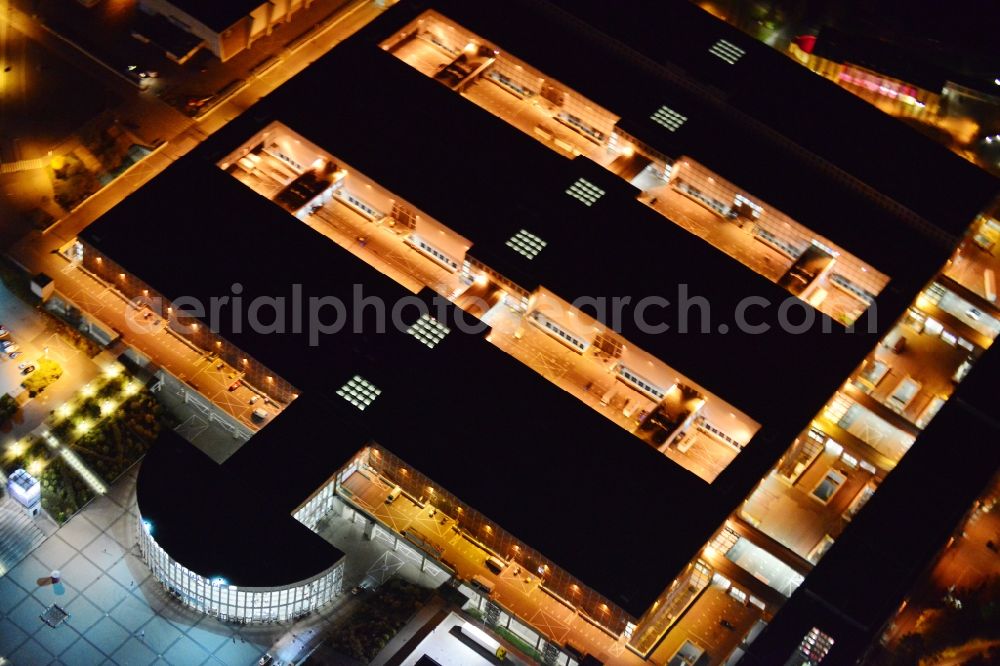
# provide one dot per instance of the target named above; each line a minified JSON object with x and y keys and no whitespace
{"x":217,"y":597}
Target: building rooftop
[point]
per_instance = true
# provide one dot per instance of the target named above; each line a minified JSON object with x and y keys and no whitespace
{"x":764,"y":93}
{"x":554,"y":473}
{"x":452,"y":411}
{"x":615,"y":247}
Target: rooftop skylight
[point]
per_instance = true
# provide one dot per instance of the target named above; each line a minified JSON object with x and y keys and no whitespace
{"x":428,"y":330}
{"x":585,"y":191}
{"x":359,"y":392}
{"x":669,"y":118}
{"x":528,"y":244}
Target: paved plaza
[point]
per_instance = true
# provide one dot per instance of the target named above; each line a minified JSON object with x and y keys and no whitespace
{"x":118,"y":614}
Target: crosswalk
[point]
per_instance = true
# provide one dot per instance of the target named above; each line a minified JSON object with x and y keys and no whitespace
{"x":22,"y":165}
{"x":18,"y":534}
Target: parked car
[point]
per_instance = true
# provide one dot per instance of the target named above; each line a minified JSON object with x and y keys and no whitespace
{"x":136,"y":72}
{"x":266,"y":660}
{"x":27,"y":370}
{"x":14,"y":355}
{"x":6,"y":343}
{"x":4,"y":332}
{"x":235,"y":385}
{"x":22,"y":366}
{"x":10,"y":349}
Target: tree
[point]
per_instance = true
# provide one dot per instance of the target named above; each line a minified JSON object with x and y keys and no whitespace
{"x":8,"y":407}
{"x":46,"y":371}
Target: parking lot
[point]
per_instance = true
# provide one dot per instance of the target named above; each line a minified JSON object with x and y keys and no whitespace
{"x":35,"y":338}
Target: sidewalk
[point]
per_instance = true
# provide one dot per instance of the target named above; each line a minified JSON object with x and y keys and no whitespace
{"x":105,"y":32}
{"x":153,"y":339}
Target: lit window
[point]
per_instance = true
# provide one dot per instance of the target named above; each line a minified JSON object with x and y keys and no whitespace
{"x":585,"y":191}
{"x":428,"y":330}
{"x":527,"y":244}
{"x":815,"y":645}
{"x":669,"y":118}
{"x":727,"y":51}
{"x":359,"y":392}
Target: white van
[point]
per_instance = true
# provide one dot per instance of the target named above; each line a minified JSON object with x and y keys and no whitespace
{"x":482,"y":584}
{"x":495,"y":564}
{"x":260,"y":414}
{"x":393,"y":494}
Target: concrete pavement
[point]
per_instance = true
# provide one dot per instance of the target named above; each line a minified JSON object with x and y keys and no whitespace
{"x":522,"y":594}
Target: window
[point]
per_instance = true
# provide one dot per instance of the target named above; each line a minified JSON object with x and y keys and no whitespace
{"x":726,"y":51}
{"x":669,"y":118}
{"x":432,"y":252}
{"x":526,"y":244}
{"x":573,"y":122}
{"x":359,"y":392}
{"x":640,"y":383}
{"x":428,"y":330}
{"x":547,"y":325}
{"x":585,"y":191}
{"x":828,"y":486}
{"x":815,"y":645}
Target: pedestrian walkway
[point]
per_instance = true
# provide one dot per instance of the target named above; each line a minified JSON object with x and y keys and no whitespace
{"x":19,"y":533}
{"x":23,"y":165}
{"x":117,"y":612}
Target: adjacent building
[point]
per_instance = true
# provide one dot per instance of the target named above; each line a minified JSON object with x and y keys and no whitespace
{"x":227,"y":27}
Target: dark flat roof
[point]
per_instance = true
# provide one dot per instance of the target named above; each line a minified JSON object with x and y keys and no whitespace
{"x":765,"y":92}
{"x":880,"y":56}
{"x":235,"y":520}
{"x":618,"y":247}
{"x":218,"y":14}
{"x":434,"y":404}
